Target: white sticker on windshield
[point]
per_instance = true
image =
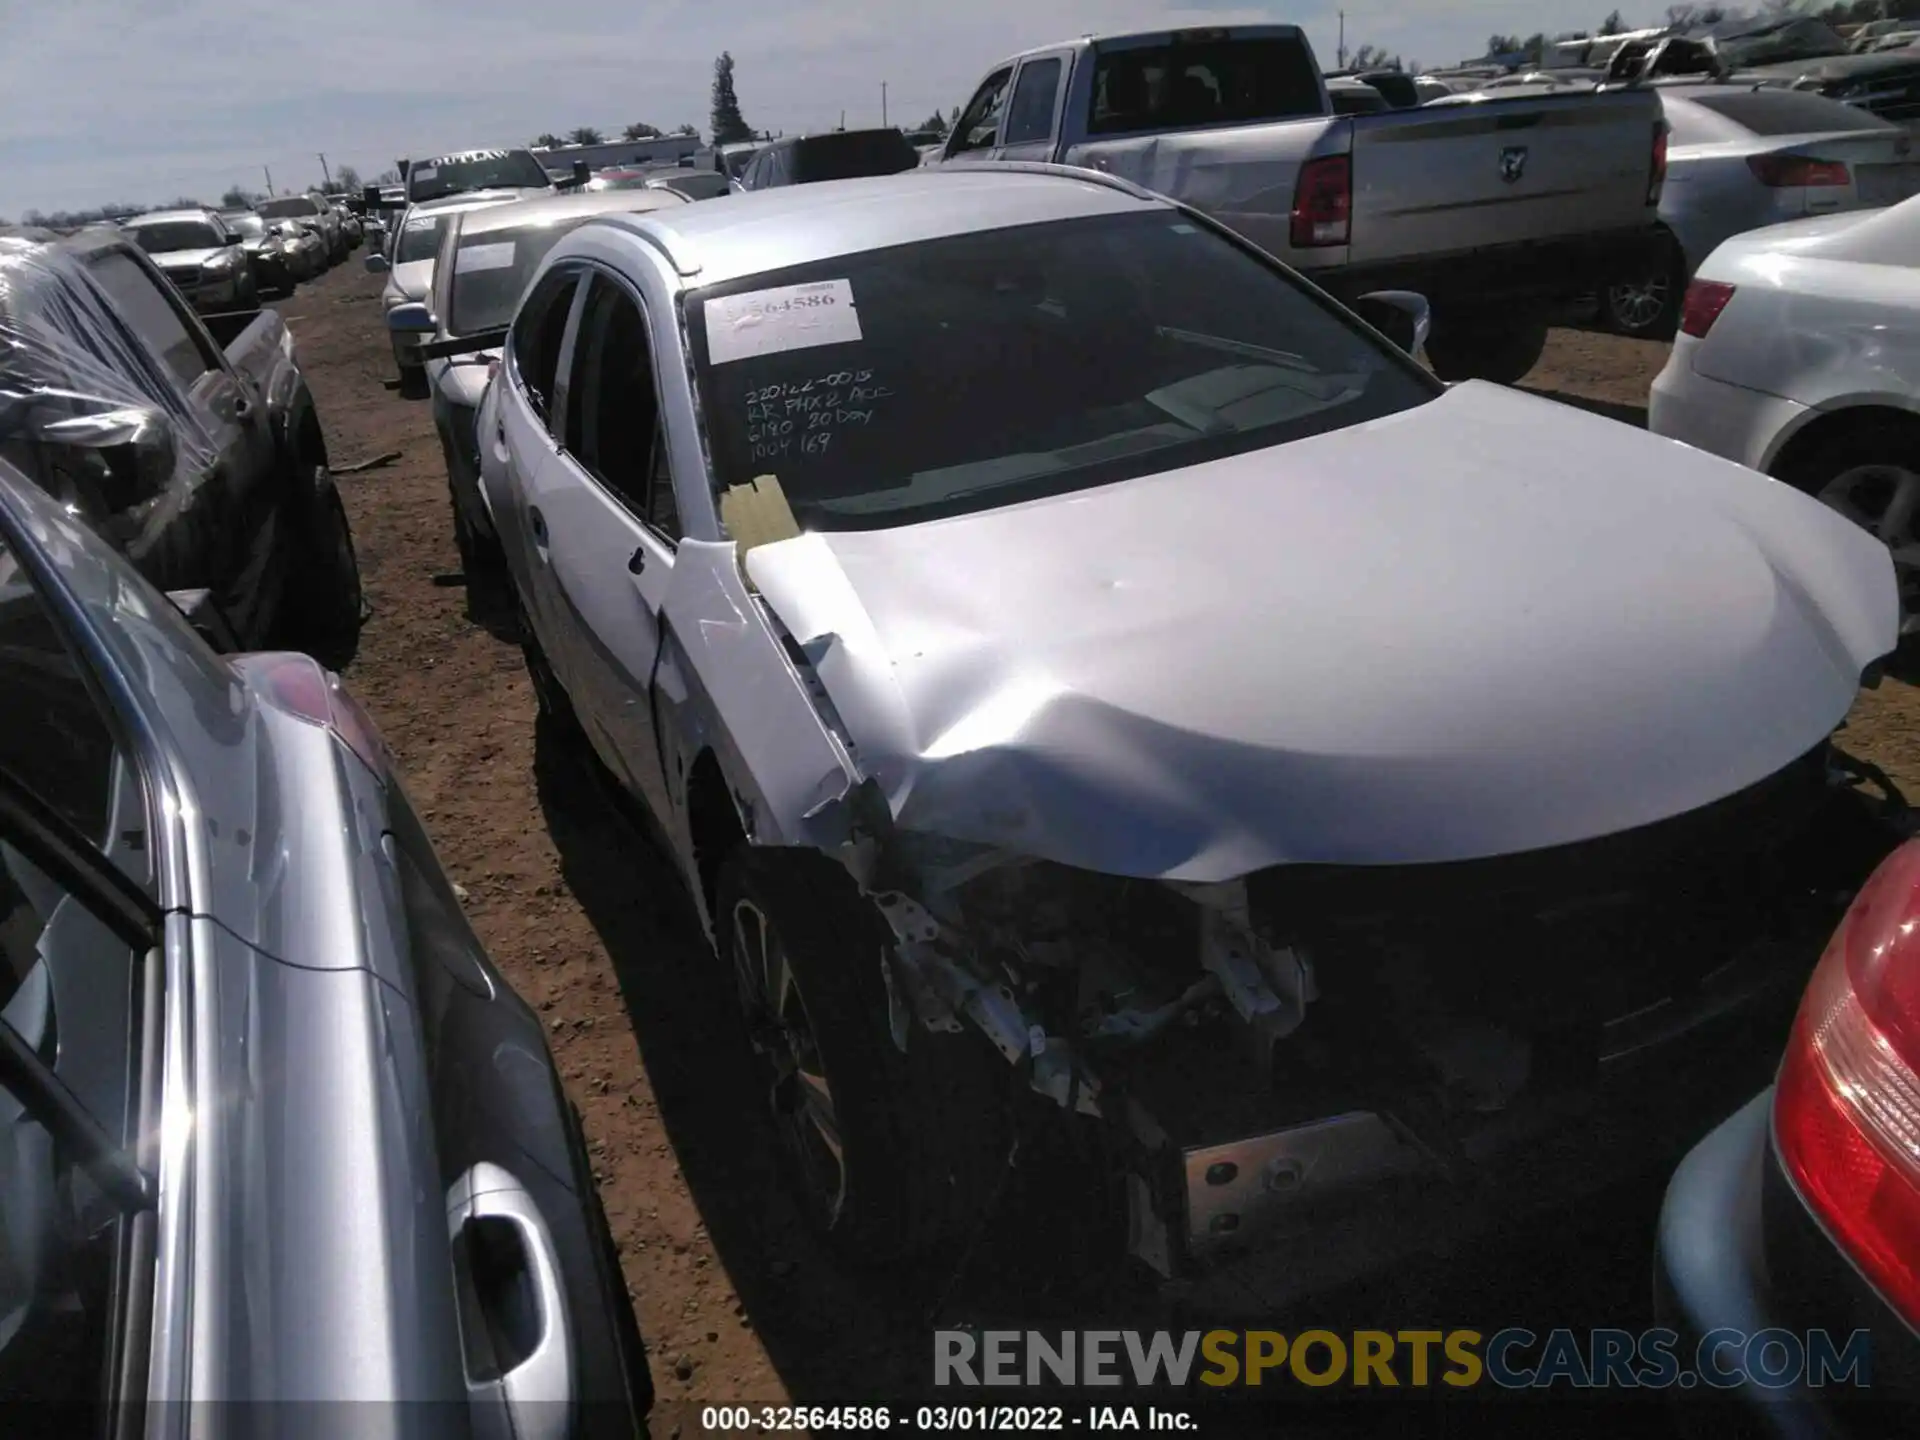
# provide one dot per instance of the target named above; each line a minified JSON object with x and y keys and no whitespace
{"x":792,"y":317}
{"x":425,"y":172}
{"x":484,"y":257}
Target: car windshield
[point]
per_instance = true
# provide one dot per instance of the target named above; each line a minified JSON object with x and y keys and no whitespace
{"x":953,"y":375}
{"x":170,"y":235}
{"x":292,"y":206}
{"x":482,"y":170}
{"x":1225,"y":82}
{"x":250,"y":225}
{"x":698,"y":184}
{"x":852,"y":154}
{"x":419,"y":238}
{"x":1784,"y":112}
{"x":737,"y":161}
{"x":490,"y":271}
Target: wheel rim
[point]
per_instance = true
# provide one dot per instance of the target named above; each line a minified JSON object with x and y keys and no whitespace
{"x":1638,"y":303}
{"x":783,"y":1036}
{"x":1884,"y":500}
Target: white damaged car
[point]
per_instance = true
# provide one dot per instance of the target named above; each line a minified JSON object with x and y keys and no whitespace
{"x":1104,"y":694}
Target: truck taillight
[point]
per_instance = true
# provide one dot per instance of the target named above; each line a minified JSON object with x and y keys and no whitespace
{"x":1846,"y":1109}
{"x":1322,"y":203}
{"x":300,"y":685}
{"x":1704,"y":301}
{"x":1657,"y":176}
{"x":1779,"y":172}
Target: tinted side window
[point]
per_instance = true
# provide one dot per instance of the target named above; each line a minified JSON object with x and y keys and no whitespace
{"x":1030,"y":116}
{"x":67,"y":987}
{"x":980,"y":122}
{"x":613,"y":421}
{"x":537,"y":333}
{"x":1789,"y":112}
{"x":153,"y":314}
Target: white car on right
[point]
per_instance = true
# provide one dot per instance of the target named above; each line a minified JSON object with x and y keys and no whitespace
{"x":1799,"y":356}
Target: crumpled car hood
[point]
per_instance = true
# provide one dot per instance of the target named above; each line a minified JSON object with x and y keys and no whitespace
{"x":1485,"y":625}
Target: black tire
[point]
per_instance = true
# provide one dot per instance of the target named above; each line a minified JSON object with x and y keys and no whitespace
{"x":250,"y":294}
{"x":1648,"y":307}
{"x":413,"y":382}
{"x":490,"y":598}
{"x":1479,"y":349}
{"x":323,"y":603}
{"x":923,"y":1135}
{"x":1878,"y":443}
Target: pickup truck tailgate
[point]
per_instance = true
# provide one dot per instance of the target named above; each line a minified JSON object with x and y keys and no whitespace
{"x":1449,"y":178}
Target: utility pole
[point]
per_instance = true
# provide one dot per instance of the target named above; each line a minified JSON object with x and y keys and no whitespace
{"x":883,"y":104}
{"x":843,"y":119}
{"x":269,"y":174}
{"x":1340,"y":58}
{"x":325,"y":171}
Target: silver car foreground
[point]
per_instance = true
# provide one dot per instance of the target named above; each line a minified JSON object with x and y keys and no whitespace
{"x":274,"y":1133}
{"x":1105,"y":697}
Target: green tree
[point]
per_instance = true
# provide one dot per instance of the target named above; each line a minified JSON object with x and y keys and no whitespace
{"x":547,"y":140}
{"x":584,"y":135}
{"x":1372,"y":57}
{"x":639,"y":130}
{"x":1498,"y":44}
{"x":347,"y":178}
{"x":690,"y":131}
{"x":935,"y":124}
{"x":236,"y":198}
{"x":1613,"y":24}
{"x":728,"y":125}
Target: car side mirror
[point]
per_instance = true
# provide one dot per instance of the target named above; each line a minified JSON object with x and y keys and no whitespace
{"x":231,"y":240}
{"x":134,"y":448}
{"x":582,"y":173}
{"x":1401,"y":315}
{"x":413,"y":318}
{"x":376,"y":264}
{"x":370,"y":196}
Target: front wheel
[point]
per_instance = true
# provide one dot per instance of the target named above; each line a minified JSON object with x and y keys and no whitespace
{"x":1870,"y":473}
{"x":323,"y":603}
{"x":888,"y":1153}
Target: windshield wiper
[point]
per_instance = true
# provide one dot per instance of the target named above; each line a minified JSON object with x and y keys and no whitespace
{"x":1245,"y":349}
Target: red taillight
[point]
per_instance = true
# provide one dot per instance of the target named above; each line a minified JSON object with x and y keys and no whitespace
{"x":300,"y":685}
{"x":1779,"y":172}
{"x":1702,"y":306}
{"x":1657,"y":177}
{"x":1846,"y":1110}
{"x":1322,"y":203}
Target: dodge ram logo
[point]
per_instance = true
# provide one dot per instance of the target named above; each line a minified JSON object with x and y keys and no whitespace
{"x":1513,"y":163}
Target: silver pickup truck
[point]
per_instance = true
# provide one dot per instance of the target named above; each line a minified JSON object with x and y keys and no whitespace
{"x":1495,"y":211}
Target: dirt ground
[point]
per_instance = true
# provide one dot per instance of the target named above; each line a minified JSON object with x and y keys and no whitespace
{"x":735,"y":1304}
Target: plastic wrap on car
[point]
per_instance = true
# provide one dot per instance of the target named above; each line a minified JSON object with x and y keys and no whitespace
{"x":77,"y":381}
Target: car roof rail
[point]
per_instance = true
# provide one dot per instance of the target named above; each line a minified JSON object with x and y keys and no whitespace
{"x":1045,"y":167}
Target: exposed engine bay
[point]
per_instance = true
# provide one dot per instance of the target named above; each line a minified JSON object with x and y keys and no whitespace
{"x":1260,"y":1048}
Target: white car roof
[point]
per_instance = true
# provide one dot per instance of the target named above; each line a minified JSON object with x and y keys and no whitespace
{"x":767,"y":230}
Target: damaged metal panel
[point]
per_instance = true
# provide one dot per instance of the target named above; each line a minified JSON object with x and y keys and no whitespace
{"x":1385,"y":644}
{"x":726,"y":684}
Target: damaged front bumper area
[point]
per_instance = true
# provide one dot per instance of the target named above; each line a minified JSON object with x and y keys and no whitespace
{"x":1305,"y":1075}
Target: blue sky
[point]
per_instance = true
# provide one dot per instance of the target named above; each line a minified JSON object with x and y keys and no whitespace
{"x":145,"y":100}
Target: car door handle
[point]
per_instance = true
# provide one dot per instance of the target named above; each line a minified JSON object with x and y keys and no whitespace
{"x":524,"y":1354}
{"x":637,"y":561}
{"x":242,"y":407}
{"x":539,"y":524}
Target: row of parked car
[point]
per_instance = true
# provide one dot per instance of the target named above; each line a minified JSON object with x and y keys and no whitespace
{"x":1018,"y":725}
{"x":229,"y":260}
